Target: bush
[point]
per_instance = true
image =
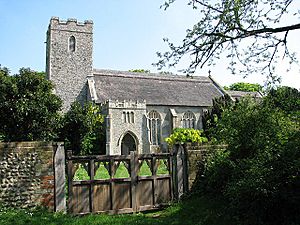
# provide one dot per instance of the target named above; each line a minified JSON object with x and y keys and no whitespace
{"x":83,"y":129}
{"x":184,"y":135}
{"x":208,"y":178}
{"x":211,"y":118}
{"x":259,"y":173}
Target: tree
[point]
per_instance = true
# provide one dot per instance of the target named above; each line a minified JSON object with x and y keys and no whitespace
{"x":249,"y":32}
{"x":284,"y":98}
{"x":4,"y":71}
{"x":242,"y":86}
{"x":28,"y":107}
{"x":83,"y":129}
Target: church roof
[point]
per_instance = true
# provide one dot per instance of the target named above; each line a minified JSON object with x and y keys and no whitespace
{"x":156,"y":89}
{"x":241,"y":94}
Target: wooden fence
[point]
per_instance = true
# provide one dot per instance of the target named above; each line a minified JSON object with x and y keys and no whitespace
{"x":123,"y":195}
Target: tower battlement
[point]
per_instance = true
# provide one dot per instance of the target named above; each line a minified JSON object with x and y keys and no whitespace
{"x":71,"y":25}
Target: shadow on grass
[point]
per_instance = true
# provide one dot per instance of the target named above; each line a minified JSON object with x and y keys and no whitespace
{"x":195,"y":210}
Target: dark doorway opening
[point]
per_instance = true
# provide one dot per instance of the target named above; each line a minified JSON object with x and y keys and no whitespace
{"x":128,"y":144}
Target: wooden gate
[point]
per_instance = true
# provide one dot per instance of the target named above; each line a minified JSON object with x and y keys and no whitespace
{"x":91,"y":193}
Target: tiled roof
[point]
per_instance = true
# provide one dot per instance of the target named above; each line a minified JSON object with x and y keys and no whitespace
{"x":240,"y":94}
{"x":156,"y":89}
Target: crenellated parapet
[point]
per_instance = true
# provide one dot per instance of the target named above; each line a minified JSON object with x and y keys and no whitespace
{"x":71,"y":25}
{"x":125,"y":104}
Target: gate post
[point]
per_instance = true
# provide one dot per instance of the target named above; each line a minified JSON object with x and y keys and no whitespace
{"x":59,"y":178}
{"x":134,"y":166}
{"x":70,"y":181}
{"x":180,"y":168}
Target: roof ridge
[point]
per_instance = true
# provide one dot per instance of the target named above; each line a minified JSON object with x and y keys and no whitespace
{"x":152,"y":76}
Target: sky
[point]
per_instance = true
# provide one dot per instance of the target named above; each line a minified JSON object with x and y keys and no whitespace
{"x":127,"y":35}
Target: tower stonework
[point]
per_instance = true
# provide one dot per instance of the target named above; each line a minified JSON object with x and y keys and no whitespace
{"x":125,"y":118}
{"x":69,"y":58}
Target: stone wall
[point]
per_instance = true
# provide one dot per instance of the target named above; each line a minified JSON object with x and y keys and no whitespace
{"x":28,"y":177}
{"x":196,"y":157}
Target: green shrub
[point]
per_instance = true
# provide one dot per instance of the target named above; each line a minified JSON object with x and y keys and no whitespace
{"x":259,"y":172}
{"x":211,"y":117}
{"x":83,"y":129}
{"x":208,"y":180}
{"x":184,"y":135}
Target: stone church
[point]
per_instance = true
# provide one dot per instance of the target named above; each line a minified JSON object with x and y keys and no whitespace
{"x":141,"y":110}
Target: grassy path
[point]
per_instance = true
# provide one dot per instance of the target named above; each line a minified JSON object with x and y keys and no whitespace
{"x":195,"y":210}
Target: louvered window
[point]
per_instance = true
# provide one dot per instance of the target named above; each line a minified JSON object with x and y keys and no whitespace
{"x":72,"y":44}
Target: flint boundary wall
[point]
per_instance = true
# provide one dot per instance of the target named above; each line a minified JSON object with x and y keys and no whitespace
{"x":32,"y":174}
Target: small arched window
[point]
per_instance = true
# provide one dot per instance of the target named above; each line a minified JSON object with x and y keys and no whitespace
{"x":154,"y":122}
{"x":72,"y":44}
{"x":188,"y":120}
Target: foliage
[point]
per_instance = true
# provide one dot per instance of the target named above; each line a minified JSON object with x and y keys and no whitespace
{"x":248,"y":127}
{"x":28,"y":107}
{"x":139,"y":71}
{"x":211,"y":118}
{"x":248,"y":33}
{"x":284,"y":98}
{"x":83,"y":129}
{"x":258,"y":174}
{"x":184,"y":135}
{"x":4,"y":71}
{"x":242,"y":86}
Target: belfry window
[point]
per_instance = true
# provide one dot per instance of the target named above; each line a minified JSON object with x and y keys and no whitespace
{"x":72,"y":44}
{"x":128,"y":117}
{"x":188,"y":120}
{"x":154,"y":125}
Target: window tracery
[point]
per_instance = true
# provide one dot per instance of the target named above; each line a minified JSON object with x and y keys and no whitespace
{"x":154,"y":124}
{"x":188,"y":120}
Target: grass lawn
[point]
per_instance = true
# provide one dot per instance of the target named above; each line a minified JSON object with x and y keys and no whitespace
{"x":196,"y":210}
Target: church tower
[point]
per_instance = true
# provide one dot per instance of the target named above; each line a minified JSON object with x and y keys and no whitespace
{"x":69,"y":58}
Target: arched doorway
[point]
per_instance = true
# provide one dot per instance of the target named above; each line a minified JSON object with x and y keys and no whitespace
{"x":128,"y":144}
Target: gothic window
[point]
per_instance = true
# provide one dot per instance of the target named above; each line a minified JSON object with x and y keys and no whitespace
{"x":188,"y":120}
{"x":154,"y":122}
{"x":72,"y":44}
